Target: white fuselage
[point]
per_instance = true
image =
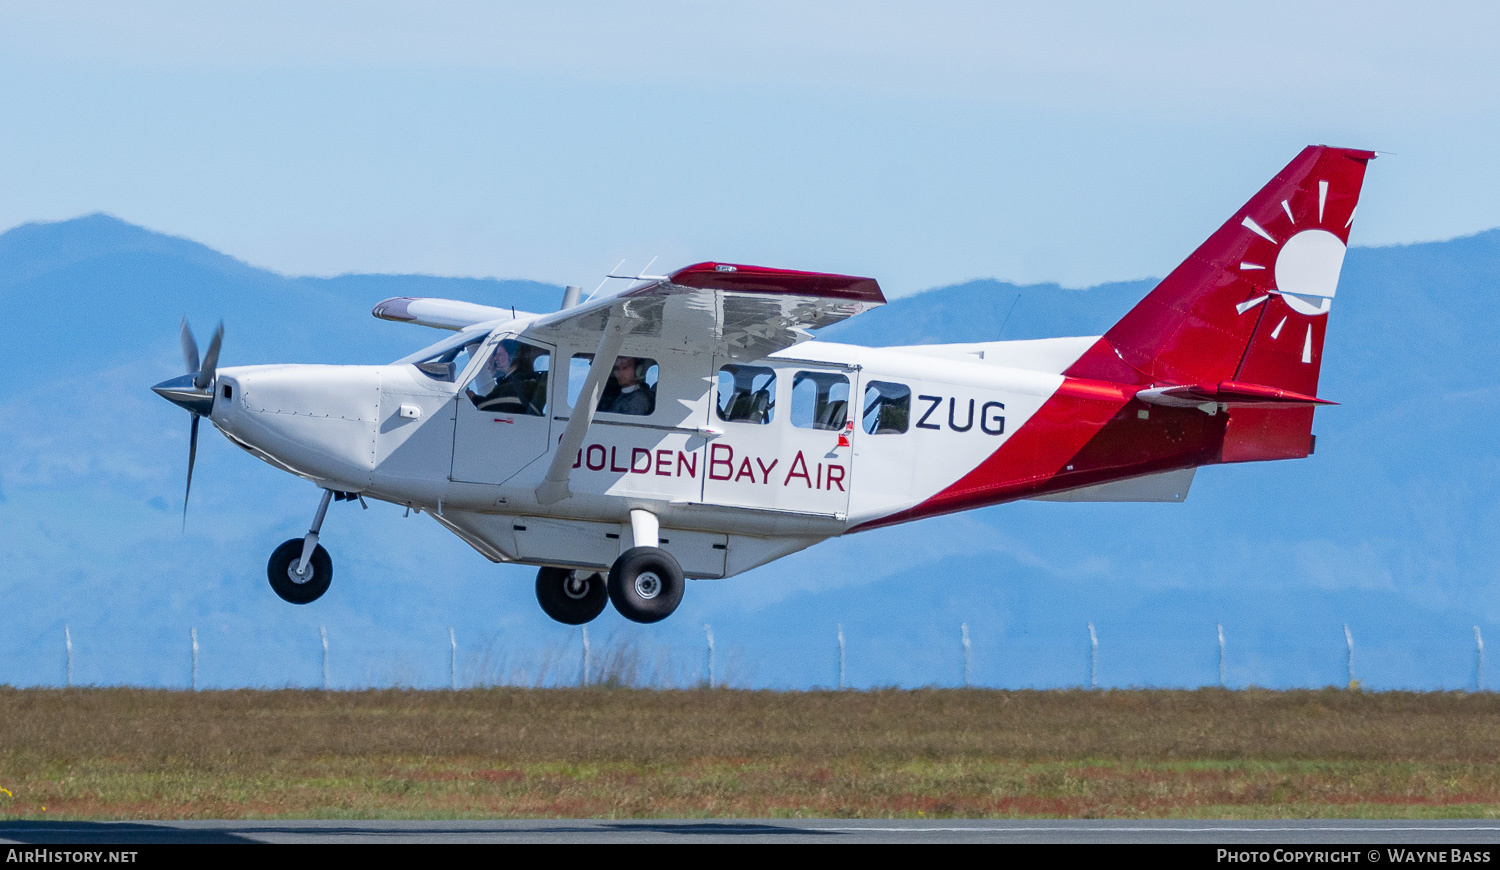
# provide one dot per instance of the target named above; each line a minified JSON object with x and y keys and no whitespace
{"x":728,"y":495}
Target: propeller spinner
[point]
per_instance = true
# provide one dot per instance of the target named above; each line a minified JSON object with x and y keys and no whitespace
{"x":193,"y":392}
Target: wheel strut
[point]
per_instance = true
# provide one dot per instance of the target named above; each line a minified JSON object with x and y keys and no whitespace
{"x":310,"y":542}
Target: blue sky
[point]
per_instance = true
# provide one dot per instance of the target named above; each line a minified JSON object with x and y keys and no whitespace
{"x":922,"y":144}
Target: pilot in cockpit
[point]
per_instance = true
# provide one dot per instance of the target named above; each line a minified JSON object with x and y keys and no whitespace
{"x":505,"y":384}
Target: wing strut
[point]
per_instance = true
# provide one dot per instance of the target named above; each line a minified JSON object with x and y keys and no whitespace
{"x":554,"y":487}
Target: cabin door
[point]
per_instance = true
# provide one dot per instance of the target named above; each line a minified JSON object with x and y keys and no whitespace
{"x":786,"y":443}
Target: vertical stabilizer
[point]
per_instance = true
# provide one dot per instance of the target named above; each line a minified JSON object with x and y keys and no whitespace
{"x":1251,"y":304}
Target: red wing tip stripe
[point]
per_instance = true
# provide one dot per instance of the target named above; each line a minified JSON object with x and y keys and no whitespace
{"x":762,"y":279}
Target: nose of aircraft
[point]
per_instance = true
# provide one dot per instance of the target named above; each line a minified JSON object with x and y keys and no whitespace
{"x":185,"y":394}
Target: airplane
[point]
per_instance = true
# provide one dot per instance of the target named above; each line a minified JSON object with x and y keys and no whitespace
{"x":691,"y":426}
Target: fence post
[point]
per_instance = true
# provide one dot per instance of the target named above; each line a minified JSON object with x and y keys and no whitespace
{"x":1478,"y":660}
{"x":841,"y":655}
{"x":1349,"y":641}
{"x":586,"y":662}
{"x":963,"y":628}
{"x":708,"y":632}
{"x":1093,"y":658}
{"x":323,"y":633}
{"x":452,"y":659}
{"x":68,"y":643}
{"x":1221,"y":655}
{"x":194,"y":633}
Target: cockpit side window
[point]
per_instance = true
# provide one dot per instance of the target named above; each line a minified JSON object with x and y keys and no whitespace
{"x":446,"y":360}
{"x":747,"y":394}
{"x":887,"y":408}
{"x":513,"y":380}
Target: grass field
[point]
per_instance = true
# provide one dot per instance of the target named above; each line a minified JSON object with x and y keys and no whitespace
{"x":496,"y":753}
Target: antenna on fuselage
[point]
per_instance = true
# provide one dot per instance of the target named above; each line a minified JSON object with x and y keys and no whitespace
{"x":1012,"y":310}
{"x":607,"y":276}
{"x":641,"y":275}
{"x":570,"y":296}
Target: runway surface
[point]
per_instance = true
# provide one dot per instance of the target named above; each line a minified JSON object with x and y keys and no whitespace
{"x":759,"y":830}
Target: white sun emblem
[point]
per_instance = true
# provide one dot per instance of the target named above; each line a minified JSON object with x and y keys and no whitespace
{"x":1307,"y":270}
{"x":1307,"y":266}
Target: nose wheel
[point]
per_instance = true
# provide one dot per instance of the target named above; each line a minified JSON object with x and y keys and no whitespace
{"x":300,"y":569}
{"x":291,"y":581}
{"x":571,"y":597}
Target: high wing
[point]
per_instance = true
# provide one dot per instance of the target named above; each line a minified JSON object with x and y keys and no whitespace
{"x":736,"y":311}
{"x":741,"y":312}
{"x":440,"y":313}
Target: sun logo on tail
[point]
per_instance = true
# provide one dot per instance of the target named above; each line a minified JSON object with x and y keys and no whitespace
{"x":1306,"y":266}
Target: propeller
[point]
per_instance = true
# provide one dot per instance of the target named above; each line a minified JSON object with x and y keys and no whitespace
{"x":211,"y":359}
{"x":189,"y":348}
{"x":193,"y":392}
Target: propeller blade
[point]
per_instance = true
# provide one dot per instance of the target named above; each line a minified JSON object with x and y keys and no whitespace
{"x":210,"y":359}
{"x":189,"y":349}
{"x":192,"y":457}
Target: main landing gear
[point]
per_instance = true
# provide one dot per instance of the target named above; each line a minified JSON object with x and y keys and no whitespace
{"x":645,"y":583}
{"x":571,"y":597}
{"x":300,"y":569}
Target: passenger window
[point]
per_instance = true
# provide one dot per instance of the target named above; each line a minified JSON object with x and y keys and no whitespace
{"x":747,"y":394}
{"x":631,"y":388}
{"x":513,"y":380}
{"x":887,"y":408}
{"x":820,"y":400}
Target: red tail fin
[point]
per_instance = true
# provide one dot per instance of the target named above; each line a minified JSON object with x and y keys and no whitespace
{"x":1251,"y":304}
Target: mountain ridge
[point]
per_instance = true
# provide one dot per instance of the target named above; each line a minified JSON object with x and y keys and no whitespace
{"x":1387,"y":528}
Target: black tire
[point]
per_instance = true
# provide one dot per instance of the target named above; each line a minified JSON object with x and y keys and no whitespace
{"x":569,"y":597}
{"x":645,"y":584}
{"x":281,"y":572}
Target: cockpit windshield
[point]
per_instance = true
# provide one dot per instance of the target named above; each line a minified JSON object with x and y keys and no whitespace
{"x":448,"y":358}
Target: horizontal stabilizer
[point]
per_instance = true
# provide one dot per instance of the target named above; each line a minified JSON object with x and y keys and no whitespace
{"x":441,"y":313}
{"x":1232,"y":394}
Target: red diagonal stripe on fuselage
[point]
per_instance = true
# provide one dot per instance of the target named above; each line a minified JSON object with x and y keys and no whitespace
{"x":1032,"y":457}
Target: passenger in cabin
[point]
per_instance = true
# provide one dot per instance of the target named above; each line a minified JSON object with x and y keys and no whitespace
{"x":627,"y":391}
{"x":508,"y":384}
{"x":740,"y":400}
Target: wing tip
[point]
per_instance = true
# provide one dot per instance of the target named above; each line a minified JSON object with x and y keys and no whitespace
{"x":397,"y":308}
{"x":713,"y":275}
